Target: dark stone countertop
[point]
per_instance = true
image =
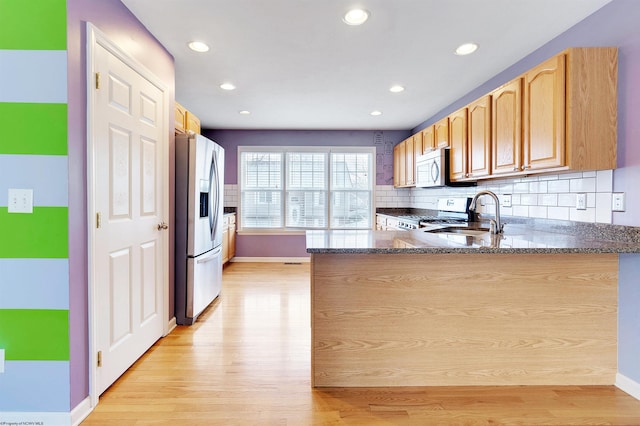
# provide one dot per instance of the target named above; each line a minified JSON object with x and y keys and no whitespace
{"x":521,"y":235}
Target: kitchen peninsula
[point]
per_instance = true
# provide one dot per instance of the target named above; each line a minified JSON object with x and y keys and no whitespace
{"x":414,"y":308}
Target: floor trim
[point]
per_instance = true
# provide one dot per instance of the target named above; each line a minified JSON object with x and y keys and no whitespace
{"x":628,"y":385}
{"x":271,"y":259}
{"x":170,"y":326}
{"x":81,"y":411}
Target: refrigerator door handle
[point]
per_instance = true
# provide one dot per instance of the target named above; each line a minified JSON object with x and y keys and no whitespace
{"x":214,"y":201}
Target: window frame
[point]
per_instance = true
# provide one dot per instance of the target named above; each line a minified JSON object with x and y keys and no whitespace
{"x":283,"y":150}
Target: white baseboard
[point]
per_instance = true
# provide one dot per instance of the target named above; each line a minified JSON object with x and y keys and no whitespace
{"x":81,"y":411}
{"x":170,"y":326}
{"x":272,"y":259}
{"x":628,"y":385}
{"x":31,"y":418}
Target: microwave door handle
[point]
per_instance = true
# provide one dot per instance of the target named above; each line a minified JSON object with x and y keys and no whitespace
{"x":435,"y":172}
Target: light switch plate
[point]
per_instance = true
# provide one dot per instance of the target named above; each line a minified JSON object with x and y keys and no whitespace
{"x":1,"y":360}
{"x":20,"y":201}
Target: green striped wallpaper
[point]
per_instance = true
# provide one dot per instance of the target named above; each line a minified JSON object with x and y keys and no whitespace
{"x":33,"y":24}
{"x":43,"y":234}
{"x":47,"y":124}
{"x":33,"y":39}
{"x":35,"y":334}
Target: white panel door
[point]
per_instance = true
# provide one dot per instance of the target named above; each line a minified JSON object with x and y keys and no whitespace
{"x":129,"y":191}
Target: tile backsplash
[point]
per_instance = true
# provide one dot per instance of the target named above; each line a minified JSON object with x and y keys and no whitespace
{"x":545,"y":197}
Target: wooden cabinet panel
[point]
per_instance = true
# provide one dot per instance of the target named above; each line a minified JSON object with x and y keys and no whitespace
{"x":409,"y":163}
{"x":399,"y":174}
{"x":506,"y":128}
{"x":225,"y":244}
{"x":428,"y":139}
{"x":180,"y":118}
{"x":479,"y":142}
{"x":544,"y":115}
{"x":418,"y":144}
{"x":441,"y":133}
{"x":458,"y":144}
{"x":193,"y":123}
{"x":591,"y":108}
{"x":228,"y":237}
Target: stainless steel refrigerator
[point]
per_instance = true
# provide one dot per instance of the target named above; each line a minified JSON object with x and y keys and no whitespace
{"x":199,"y":210}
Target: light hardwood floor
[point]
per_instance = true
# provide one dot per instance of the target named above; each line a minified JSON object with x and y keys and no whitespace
{"x":246,"y":361}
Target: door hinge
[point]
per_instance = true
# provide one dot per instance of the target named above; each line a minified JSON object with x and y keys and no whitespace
{"x":98,"y":220}
{"x":97,"y":80}
{"x":99,"y":358}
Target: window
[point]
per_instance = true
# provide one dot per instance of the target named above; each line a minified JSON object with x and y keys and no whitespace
{"x":294,"y":188}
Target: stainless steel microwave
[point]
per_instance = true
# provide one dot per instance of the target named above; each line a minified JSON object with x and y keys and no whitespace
{"x":432,"y":170}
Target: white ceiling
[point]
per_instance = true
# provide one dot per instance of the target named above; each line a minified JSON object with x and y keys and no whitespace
{"x":296,"y":65}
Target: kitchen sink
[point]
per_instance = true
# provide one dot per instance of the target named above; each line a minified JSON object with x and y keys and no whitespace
{"x":459,"y":230}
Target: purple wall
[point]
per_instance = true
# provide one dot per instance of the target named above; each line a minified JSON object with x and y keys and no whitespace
{"x":616,"y":24}
{"x":232,"y":139}
{"x":293,"y":245}
{"x":114,"y":19}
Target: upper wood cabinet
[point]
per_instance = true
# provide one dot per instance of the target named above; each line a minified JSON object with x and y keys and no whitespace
{"x":399,"y":165}
{"x":441,"y":133}
{"x":544,"y":115}
{"x":560,"y":115}
{"x":410,"y":161}
{"x":193,"y":123}
{"x":428,"y":139}
{"x":479,"y":140}
{"x":591,"y":108}
{"x":404,"y":161}
{"x":180,"y":118}
{"x":185,"y":121}
{"x":418,"y":145}
{"x":506,"y":128}
{"x":458,"y":144}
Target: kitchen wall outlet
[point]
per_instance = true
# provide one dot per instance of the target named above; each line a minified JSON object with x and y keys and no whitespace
{"x":1,"y":360}
{"x":617,"y":202}
{"x":506,"y":200}
{"x":20,"y":201}
{"x":581,"y":201}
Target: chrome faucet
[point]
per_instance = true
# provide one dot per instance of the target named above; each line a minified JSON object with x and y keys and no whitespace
{"x":496,"y":225}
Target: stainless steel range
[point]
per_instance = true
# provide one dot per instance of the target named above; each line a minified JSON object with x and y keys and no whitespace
{"x":451,"y":211}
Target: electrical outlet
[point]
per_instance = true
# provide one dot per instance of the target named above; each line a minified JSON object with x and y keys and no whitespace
{"x":506,"y":200}
{"x":581,"y":201}
{"x":1,"y":360}
{"x":617,"y":202}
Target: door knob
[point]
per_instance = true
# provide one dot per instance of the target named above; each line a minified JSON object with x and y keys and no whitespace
{"x":162,"y":226}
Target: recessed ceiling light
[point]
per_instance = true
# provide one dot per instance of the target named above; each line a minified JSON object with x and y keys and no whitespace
{"x":396,"y":89}
{"x":356,"y":17}
{"x":244,"y":112}
{"x":374,"y":113}
{"x":466,"y":49}
{"x":198,"y":46}
{"x":227,"y":86}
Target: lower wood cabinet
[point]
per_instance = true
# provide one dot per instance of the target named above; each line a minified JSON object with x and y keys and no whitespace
{"x":228,"y":237}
